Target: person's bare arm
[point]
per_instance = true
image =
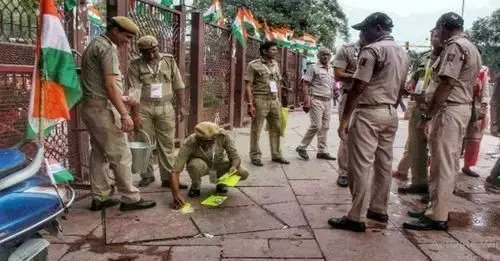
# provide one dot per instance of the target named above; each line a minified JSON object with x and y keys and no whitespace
{"x":342,"y":75}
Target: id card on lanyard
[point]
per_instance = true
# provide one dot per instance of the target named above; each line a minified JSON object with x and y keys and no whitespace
{"x":273,"y":85}
{"x":156,"y":90}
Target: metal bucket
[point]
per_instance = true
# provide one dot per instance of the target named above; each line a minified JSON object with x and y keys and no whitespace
{"x":141,"y":152}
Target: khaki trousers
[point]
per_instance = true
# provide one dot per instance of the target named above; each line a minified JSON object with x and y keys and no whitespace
{"x":198,"y":168}
{"x":266,"y":108}
{"x":109,"y":150}
{"x":342,"y":152}
{"x":371,"y":137}
{"x":158,"y":121}
{"x":418,"y":149}
{"x":320,"y":124}
{"x":446,"y":135}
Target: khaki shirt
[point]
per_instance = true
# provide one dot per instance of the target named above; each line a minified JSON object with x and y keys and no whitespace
{"x":98,"y":60}
{"x":461,"y":62}
{"x":321,"y":79}
{"x":434,"y":82}
{"x":260,"y":74}
{"x":346,"y":58}
{"x":141,"y":76}
{"x":383,"y":65}
{"x":223,"y":146}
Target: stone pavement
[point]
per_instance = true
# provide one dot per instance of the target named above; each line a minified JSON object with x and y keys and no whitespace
{"x":280,"y":213}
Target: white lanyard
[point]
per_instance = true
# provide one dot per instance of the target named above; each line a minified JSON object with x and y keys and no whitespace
{"x":268,"y":70}
{"x":152,"y":71}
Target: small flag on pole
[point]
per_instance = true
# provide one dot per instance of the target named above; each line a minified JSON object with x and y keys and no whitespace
{"x":57,"y":172}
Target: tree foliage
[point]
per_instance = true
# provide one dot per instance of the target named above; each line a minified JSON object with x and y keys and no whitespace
{"x":323,"y":18}
{"x":485,"y":33}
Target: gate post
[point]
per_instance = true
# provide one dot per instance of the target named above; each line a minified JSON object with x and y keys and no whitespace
{"x":180,"y":20}
{"x":239,"y":85}
{"x":196,"y":70}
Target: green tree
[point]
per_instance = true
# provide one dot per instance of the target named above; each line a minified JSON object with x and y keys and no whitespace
{"x":485,"y":34}
{"x":323,"y":18}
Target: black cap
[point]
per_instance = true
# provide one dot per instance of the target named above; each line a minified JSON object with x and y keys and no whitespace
{"x":375,"y":19}
{"x":451,"y":21}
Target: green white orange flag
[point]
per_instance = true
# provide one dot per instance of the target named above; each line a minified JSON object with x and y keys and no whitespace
{"x":56,"y":87}
{"x":57,"y":172}
{"x":93,"y":15}
{"x":251,"y":22}
{"x":214,"y":14}
{"x":237,"y":28}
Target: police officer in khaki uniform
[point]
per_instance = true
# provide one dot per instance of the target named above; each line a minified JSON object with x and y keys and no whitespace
{"x":318,"y":81}
{"x":205,"y":153}
{"x":152,"y":80}
{"x":377,"y":88}
{"x":344,"y":65}
{"x":107,"y":118}
{"x":261,"y":78}
{"x":449,"y":114}
{"x":418,"y":151}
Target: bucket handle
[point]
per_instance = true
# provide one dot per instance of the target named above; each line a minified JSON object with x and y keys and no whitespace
{"x":147,"y":136}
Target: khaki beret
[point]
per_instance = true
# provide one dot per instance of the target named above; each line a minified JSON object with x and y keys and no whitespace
{"x":206,"y":130}
{"x":147,"y":42}
{"x":126,"y":24}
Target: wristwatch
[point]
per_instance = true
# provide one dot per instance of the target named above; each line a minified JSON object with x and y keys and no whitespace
{"x":425,"y":117}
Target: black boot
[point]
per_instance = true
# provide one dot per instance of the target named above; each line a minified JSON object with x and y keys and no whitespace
{"x":221,"y":189}
{"x":383,"y":218}
{"x":425,"y":223}
{"x":146,"y":181}
{"x":194,"y":192}
{"x":141,"y":204}
{"x":98,"y":205}
{"x":347,"y":224}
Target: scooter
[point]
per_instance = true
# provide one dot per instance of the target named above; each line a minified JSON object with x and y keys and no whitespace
{"x":29,"y":202}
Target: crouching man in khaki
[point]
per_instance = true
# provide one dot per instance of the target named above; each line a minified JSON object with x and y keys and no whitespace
{"x":205,"y":154}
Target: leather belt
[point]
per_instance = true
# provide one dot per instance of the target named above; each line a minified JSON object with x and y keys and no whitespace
{"x":321,"y":98}
{"x":266,"y":96}
{"x":154,"y":102}
{"x":375,"y":106}
{"x":452,"y":103}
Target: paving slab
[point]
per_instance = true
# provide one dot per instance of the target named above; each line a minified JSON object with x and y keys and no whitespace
{"x":189,"y":253}
{"x":429,"y":237}
{"x":312,"y":169}
{"x":290,"y":213}
{"x":487,"y":251}
{"x":383,"y":246}
{"x":119,"y":252}
{"x":446,"y":252}
{"x":318,"y":199}
{"x":195,"y":241}
{"x":270,"y":175}
{"x":56,"y":251}
{"x":275,"y":248}
{"x":270,"y":259}
{"x":285,"y":233}
{"x":318,"y":215}
{"x":218,"y":221}
{"x":314,"y":187}
{"x":80,"y":221}
{"x":269,"y":195}
{"x":156,"y":223}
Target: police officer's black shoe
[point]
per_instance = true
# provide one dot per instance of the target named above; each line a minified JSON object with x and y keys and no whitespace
{"x":166,"y":184}
{"x":194,"y":193}
{"x":221,"y":189}
{"x":414,"y":189}
{"x":325,"y":156}
{"x":347,"y":224}
{"x":343,"y":181}
{"x":281,"y":161}
{"x":146,"y":181}
{"x":257,"y":162}
{"x":425,"y":223}
{"x":383,"y":218}
{"x":98,"y":205}
{"x":141,"y":204}
{"x":415,"y":214}
{"x":302,"y":153}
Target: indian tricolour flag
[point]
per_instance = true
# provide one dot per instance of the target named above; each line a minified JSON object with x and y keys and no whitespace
{"x":57,"y":172}
{"x":213,"y":15}
{"x":56,"y":87}
{"x":93,"y":15}
{"x":251,"y":22}
{"x":237,"y":28}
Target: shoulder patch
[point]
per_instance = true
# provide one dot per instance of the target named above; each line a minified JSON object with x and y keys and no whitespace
{"x":362,"y":61}
{"x":450,"y":57}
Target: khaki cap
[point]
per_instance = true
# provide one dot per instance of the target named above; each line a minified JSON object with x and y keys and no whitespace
{"x":147,"y":42}
{"x":126,"y":24}
{"x":206,"y":130}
